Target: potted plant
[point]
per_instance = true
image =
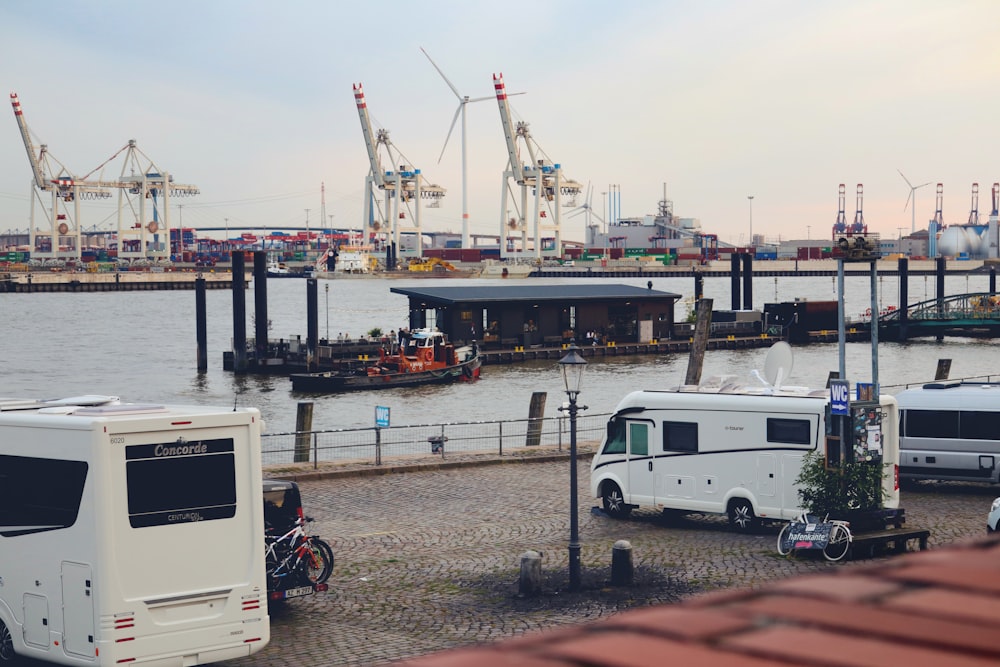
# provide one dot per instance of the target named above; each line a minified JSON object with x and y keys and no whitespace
{"x":852,"y":492}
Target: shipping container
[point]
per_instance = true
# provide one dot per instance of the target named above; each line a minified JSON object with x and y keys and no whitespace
{"x":470,"y":255}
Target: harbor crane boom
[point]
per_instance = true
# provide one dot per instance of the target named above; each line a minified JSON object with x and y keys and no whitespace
{"x":36,"y":165}
{"x":401,"y":186}
{"x":546,"y":182}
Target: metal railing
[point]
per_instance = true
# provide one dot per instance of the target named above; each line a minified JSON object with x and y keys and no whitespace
{"x":373,"y":444}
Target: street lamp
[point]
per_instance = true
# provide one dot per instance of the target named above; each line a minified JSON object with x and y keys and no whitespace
{"x":572,"y":365}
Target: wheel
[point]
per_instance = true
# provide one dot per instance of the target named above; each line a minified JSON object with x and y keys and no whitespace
{"x":7,"y":655}
{"x":614,"y":501}
{"x":324,"y":553}
{"x":317,"y":562}
{"x":741,"y":515}
{"x":781,"y":540}
{"x":839,"y":544}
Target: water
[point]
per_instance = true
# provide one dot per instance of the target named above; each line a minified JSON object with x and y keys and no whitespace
{"x":141,"y":346}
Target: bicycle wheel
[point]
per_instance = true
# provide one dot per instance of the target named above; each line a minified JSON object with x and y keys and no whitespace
{"x":781,"y":540}
{"x":839,"y":544}
{"x":316,"y":563}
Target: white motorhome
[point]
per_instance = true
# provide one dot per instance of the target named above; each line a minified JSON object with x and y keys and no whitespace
{"x":732,"y":450}
{"x":950,"y":431}
{"x":130,"y":533}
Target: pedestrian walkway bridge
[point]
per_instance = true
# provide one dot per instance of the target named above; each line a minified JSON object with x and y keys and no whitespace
{"x":975,"y":315}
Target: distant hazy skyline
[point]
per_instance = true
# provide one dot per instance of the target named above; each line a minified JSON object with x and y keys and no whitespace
{"x":719,"y":100}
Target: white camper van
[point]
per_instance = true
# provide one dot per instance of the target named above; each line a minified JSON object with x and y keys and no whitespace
{"x":730,"y":450}
{"x":951,"y":431}
{"x":130,"y":534}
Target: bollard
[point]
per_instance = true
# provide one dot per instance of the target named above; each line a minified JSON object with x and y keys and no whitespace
{"x":621,"y":563}
{"x":531,"y":574}
{"x":303,"y":425}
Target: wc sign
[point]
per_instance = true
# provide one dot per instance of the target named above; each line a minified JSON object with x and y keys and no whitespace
{"x":381,"y":416}
{"x":840,"y":396}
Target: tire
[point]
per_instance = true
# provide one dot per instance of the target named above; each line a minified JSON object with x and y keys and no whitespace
{"x":7,"y":655}
{"x":781,"y":538}
{"x":839,"y":544}
{"x":614,"y":501}
{"x":317,"y":562}
{"x":741,"y":516}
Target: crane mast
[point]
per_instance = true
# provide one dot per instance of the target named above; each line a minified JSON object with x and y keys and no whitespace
{"x":937,"y":223}
{"x":139,"y":238}
{"x":540,"y":177}
{"x":401,"y":187}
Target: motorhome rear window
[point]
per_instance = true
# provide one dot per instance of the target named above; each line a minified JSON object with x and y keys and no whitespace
{"x":789,"y":431}
{"x":180,"y":482}
{"x":680,"y":436}
{"x":38,"y":495}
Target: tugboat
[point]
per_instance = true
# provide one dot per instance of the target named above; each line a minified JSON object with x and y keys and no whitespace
{"x":421,"y":357}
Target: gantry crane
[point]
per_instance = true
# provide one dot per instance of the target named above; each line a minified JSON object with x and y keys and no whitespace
{"x":402,"y":187}
{"x":542,"y":177}
{"x":936,"y":223}
{"x":137,"y":183}
{"x":993,"y":226}
{"x":840,"y":226}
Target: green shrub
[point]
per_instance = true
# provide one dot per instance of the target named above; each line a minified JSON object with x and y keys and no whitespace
{"x":855,"y":486}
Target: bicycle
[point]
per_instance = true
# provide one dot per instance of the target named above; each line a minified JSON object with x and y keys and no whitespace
{"x":807,"y":531}
{"x":297,"y":558}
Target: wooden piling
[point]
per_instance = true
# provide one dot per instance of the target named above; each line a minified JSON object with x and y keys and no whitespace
{"x":303,"y":426}
{"x":536,"y":412}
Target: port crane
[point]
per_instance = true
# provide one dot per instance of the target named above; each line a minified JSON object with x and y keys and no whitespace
{"x":993,"y":249}
{"x":539,"y":176}
{"x":936,"y":223}
{"x":141,"y":220}
{"x":402,"y":187}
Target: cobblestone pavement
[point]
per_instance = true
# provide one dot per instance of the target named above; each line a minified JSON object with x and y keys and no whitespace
{"x":430,"y":559}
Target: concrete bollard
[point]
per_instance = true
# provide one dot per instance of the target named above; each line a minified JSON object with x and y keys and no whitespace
{"x":621,"y":563}
{"x":531,"y":574}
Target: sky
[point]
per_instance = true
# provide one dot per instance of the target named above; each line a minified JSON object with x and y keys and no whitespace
{"x":710,"y":101}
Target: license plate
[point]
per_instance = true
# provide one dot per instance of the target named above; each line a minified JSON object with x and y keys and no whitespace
{"x":298,"y":592}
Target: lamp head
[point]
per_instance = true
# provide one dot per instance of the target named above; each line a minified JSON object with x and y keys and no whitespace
{"x":572,"y":365}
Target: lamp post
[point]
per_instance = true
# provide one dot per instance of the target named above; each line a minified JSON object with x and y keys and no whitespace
{"x":572,"y":365}
{"x":750,"y":199}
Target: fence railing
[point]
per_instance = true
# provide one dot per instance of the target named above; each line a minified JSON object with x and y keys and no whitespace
{"x":375,"y":444}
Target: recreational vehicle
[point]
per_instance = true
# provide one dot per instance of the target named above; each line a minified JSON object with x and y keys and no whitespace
{"x":130,"y":533}
{"x":732,"y":450}
{"x":950,"y":431}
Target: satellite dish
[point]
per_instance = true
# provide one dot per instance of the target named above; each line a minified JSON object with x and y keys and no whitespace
{"x":778,"y":365}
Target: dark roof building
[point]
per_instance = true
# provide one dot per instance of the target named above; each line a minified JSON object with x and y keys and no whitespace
{"x":531,"y":314}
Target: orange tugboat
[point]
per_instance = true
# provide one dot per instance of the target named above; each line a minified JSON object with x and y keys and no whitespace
{"x":421,"y":357}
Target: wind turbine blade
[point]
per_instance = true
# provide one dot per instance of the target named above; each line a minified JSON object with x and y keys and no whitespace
{"x":453,"y":88}
{"x":906,"y":179}
{"x":481,"y":99}
{"x":450,"y":130}
{"x":908,"y":198}
{"x":921,"y":185}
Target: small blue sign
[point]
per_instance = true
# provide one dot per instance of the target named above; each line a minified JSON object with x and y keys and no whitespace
{"x":840,"y":397}
{"x":381,"y":416}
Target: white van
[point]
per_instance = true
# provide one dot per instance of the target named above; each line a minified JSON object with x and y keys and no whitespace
{"x":130,"y":534}
{"x":950,"y":431}
{"x":734,"y":451}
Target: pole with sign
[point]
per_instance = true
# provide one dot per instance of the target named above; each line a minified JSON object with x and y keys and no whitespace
{"x":381,"y":422}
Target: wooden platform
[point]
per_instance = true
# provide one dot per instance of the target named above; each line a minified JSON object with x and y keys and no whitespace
{"x":865,"y":544}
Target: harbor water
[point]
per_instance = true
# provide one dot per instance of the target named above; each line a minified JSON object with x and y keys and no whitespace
{"x":141,"y":346}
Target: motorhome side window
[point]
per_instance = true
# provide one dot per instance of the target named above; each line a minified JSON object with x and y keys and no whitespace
{"x":931,"y":423}
{"x":680,"y":437}
{"x":789,"y":431}
{"x":964,"y":424}
{"x":180,"y":482}
{"x":615,"y":443}
{"x":37,"y":495}
{"x":638,"y":439}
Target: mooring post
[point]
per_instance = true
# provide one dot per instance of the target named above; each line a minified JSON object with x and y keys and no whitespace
{"x":536,"y":411}
{"x":748,"y":282}
{"x":734,"y":280}
{"x":303,"y":427}
{"x":701,"y":329}
{"x":260,"y":306}
{"x":312,"y":324}
{"x":904,"y":296}
{"x":239,"y":312}
{"x":941,"y":264}
{"x":201,"y":323}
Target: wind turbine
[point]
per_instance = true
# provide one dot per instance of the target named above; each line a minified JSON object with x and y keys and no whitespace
{"x":463,"y":100}
{"x":913,"y":209}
